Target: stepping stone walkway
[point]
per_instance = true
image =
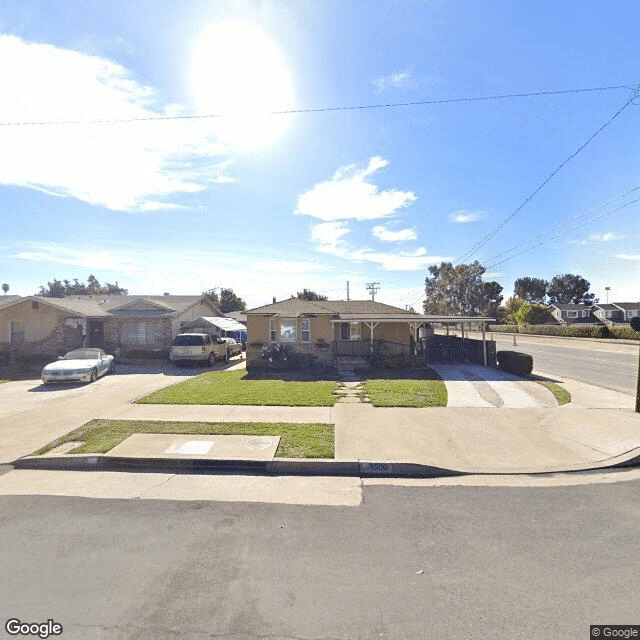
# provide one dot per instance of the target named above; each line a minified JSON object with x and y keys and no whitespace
{"x":350,"y":392}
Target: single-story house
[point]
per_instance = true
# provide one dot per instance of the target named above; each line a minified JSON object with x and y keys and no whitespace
{"x":120,"y":324}
{"x":572,"y":313}
{"x":326,"y":330}
{"x":608,"y":313}
{"x":629,"y":310}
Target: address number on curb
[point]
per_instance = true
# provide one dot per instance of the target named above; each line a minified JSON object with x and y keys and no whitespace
{"x":375,"y":467}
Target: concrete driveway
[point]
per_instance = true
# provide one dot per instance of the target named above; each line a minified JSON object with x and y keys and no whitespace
{"x":471,"y":386}
{"x":32,"y":414}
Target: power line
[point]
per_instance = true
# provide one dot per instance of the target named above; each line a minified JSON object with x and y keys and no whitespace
{"x":562,"y":223}
{"x":602,"y":215}
{"x":386,"y":105}
{"x":530,"y":197}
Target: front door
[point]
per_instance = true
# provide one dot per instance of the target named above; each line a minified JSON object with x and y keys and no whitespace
{"x":345,"y":331}
{"x":96,"y":333}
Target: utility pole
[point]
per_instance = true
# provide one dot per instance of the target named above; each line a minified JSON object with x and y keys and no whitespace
{"x":373,"y":288}
{"x":347,"y":291}
{"x":607,"y":289}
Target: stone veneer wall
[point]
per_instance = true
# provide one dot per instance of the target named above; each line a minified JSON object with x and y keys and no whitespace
{"x":115,"y":332}
{"x":62,"y":339}
{"x":322,"y":354}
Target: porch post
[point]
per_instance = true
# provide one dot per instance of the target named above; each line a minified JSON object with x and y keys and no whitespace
{"x":484,"y":345}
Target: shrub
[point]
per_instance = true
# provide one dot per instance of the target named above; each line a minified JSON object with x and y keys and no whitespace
{"x":520,"y":364}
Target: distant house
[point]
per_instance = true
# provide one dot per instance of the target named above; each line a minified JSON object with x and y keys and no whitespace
{"x":608,"y":313}
{"x":629,"y":310}
{"x":120,"y":324}
{"x":572,"y":313}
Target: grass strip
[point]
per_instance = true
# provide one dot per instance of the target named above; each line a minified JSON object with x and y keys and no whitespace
{"x":297,"y":440}
{"x":561,"y":394}
{"x":235,"y":387}
{"x":406,"y":393}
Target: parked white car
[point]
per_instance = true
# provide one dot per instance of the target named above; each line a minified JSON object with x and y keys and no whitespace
{"x":202,"y":347}
{"x":79,"y":365}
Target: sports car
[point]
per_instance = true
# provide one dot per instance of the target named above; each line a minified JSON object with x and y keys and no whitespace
{"x":79,"y":365}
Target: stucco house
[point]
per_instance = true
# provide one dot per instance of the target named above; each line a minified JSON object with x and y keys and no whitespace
{"x":629,"y":310}
{"x":326,"y":331}
{"x":608,"y":313}
{"x":121,"y":324}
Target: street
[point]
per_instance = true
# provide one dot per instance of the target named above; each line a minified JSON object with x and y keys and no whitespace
{"x":607,"y":364}
{"x":409,"y":562}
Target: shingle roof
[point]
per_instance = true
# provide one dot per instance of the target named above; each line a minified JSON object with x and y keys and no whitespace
{"x":606,"y":307}
{"x":295,"y":306}
{"x":627,"y":306}
{"x":571,"y":307}
{"x":104,"y":306}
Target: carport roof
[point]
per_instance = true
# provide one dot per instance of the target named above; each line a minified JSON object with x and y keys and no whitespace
{"x":226,"y":324}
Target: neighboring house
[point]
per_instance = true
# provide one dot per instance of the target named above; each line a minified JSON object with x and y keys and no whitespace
{"x":325,"y":331}
{"x":238,"y":316}
{"x":629,"y":310}
{"x":572,"y":313}
{"x":119,"y":324}
{"x":608,"y":313}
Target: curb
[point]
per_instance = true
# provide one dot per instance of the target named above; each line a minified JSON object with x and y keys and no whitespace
{"x":296,"y":467}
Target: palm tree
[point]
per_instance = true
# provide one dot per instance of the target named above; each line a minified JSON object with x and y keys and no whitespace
{"x":5,"y":288}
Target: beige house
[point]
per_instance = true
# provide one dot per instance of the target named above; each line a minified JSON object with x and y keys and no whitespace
{"x":326,"y":331}
{"x":121,"y":324}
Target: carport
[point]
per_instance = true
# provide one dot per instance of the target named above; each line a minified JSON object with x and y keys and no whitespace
{"x":213,"y":324}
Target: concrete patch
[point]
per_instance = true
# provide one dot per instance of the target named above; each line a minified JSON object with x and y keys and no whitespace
{"x":205,"y":447}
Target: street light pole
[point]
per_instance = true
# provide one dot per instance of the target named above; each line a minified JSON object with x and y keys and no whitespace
{"x":635,"y":325}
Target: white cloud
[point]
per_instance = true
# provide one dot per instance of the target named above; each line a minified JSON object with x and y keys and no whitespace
{"x":464,"y":216}
{"x":122,"y":167}
{"x":382,"y":233}
{"x":328,"y":235}
{"x":604,"y":237}
{"x":627,"y":256}
{"x":349,"y":195}
{"x":396,"y":79}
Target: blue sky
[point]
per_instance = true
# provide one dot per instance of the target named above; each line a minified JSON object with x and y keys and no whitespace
{"x":271,"y":204}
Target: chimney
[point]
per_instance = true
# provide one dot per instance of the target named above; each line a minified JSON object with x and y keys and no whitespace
{"x":274,"y":299}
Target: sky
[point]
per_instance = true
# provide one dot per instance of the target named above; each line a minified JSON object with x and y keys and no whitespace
{"x":179,"y":147}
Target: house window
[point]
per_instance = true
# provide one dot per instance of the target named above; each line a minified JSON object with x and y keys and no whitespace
{"x":355,"y":331}
{"x":584,"y":314}
{"x":139,"y":332}
{"x":17,"y":332}
{"x":608,"y":314}
{"x":304,"y":329}
{"x":572,"y":314}
{"x":288,"y":330}
{"x":272,"y":329}
{"x":35,"y":304}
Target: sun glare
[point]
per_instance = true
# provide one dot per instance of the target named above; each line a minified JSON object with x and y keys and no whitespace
{"x":236,"y":69}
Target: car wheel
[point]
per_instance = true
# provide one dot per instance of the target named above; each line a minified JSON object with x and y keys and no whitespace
{"x":112,"y":368}
{"x":226,"y":357}
{"x":94,"y":375}
{"x":212,"y":359}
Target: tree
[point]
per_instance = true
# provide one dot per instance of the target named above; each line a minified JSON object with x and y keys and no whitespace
{"x":568,"y":288}
{"x":532,"y":314}
{"x":226,"y":301}
{"x":5,"y":288}
{"x":507,"y":312}
{"x":461,"y":291}
{"x":312,"y":296}
{"x":532,"y":290}
{"x":60,"y":289}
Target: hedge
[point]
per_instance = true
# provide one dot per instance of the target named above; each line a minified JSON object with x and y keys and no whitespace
{"x":520,"y":364}
{"x":568,"y":331}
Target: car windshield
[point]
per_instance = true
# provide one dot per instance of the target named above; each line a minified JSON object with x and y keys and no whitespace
{"x":81,"y":354}
{"x":188,"y":340}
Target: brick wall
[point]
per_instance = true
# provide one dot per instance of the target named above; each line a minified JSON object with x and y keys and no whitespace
{"x":319,"y":356}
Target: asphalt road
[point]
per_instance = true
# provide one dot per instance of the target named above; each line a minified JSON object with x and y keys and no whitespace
{"x":408,"y":563}
{"x":608,"y":365}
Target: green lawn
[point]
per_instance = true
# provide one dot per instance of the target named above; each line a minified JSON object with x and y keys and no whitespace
{"x":236,"y":387}
{"x":560,"y":393}
{"x":296,"y":440}
{"x":406,"y":393}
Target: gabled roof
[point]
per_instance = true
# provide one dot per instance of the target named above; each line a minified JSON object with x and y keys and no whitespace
{"x":296,"y":307}
{"x":226,"y":324}
{"x":606,"y":307}
{"x":572,"y":307}
{"x":104,"y":306}
{"x":627,"y":306}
